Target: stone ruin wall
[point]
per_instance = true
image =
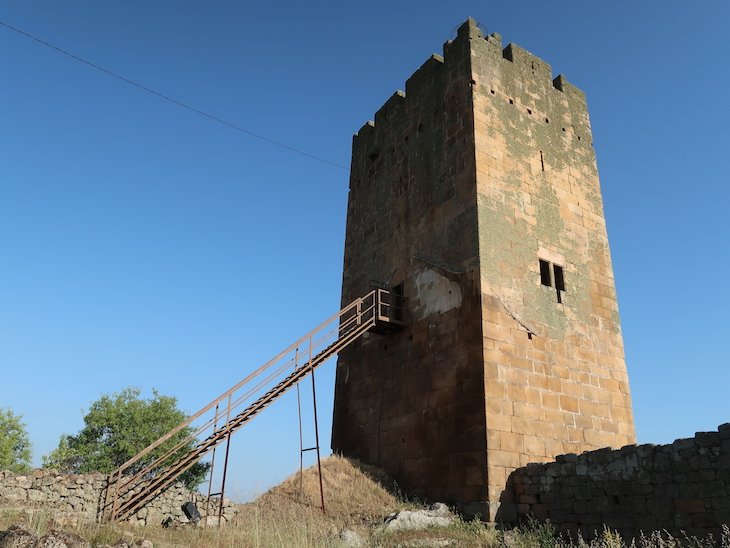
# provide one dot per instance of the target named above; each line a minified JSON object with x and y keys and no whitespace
{"x":682,"y":486}
{"x":71,"y":498}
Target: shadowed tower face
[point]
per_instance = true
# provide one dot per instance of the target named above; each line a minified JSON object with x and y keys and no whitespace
{"x":476,"y":195}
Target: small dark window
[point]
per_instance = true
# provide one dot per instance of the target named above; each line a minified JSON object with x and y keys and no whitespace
{"x":559,"y":280}
{"x":545,"y":273}
{"x":550,"y":273}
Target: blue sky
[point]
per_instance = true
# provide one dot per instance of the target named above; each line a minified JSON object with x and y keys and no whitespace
{"x":142,"y":244}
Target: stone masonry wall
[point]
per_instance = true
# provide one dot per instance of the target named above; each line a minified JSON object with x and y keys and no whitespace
{"x":554,"y":370}
{"x":412,"y":401}
{"x":72,"y":498}
{"x":682,"y":486}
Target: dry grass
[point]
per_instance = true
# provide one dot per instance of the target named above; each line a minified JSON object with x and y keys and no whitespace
{"x":357,"y":498}
{"x":290,"y":514}
{"x":354,"y":493}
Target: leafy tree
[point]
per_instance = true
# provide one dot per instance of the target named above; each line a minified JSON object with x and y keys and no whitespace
{"x":14,"y":443}
{"x":117,"y":427}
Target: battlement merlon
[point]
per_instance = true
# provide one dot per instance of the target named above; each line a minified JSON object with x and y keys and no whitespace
{"x":522,"y":58}
{"x":529,"y":68}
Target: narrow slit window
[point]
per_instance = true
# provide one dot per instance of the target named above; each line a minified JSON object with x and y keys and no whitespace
{"x":559,"y":282}
{"x":545,"y":273}
{"x":559,"y":279}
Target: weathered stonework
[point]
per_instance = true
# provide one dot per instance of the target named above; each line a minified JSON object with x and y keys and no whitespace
{"x":74,"y":498}
{"x":483,"y":167}
{"x":683,"y":486}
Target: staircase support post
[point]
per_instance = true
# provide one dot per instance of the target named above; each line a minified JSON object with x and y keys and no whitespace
{"x":316,"y":440}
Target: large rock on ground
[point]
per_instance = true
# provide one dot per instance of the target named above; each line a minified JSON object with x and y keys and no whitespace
{"x":17,"y":537}
{"x":437,"y":515}
{"x":56,"y":538}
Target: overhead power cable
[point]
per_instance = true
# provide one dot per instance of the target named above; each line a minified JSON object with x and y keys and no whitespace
{"x":171,"y":99}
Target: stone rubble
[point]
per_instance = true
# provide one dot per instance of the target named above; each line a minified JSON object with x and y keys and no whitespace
{"x":18,"y":537}
{"x":350,"y":539}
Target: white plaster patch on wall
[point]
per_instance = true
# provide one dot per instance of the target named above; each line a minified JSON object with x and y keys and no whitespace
{"x":436,"y":293}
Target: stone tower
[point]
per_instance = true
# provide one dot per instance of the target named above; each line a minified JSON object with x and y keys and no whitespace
{"x":475,"y":196}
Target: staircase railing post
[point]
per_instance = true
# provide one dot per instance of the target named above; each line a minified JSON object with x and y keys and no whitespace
{"x":225,"y":460}
{"x":301,"y":437}
{"x":212,"y":466}
{"x":115,"y":500}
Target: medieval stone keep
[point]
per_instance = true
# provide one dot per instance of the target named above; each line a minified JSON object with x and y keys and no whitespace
{"x":475,"y":196}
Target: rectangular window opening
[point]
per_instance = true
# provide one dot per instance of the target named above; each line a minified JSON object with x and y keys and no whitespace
{"x":559,"y":278}
{"x":559,"y":281}
{"x":545,"y":273}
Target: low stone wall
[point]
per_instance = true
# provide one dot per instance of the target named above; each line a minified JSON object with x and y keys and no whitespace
{"x":683,"y":486}
{"x":72,"y":498}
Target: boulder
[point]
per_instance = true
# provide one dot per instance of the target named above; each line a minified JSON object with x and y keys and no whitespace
{"x":17,"y":537}
{"x":57,"y":538}
{"x":350,"y":539}
{"x":437,"y":515}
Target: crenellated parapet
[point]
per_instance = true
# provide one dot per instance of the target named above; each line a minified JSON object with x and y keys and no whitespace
{"x":521,"y":76}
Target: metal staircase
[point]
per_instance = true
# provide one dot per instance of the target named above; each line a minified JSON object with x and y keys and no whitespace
{"x":135,"y":483}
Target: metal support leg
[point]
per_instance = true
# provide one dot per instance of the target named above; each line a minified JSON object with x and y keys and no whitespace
{"x":316,"y":438}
